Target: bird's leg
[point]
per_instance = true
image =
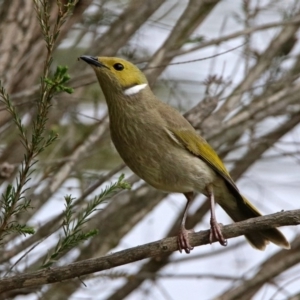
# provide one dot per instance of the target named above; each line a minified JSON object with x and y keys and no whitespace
{"x":215,"y":230}
{"x":183,"y":234}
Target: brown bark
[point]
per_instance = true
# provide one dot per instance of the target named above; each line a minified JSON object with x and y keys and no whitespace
{"x":157,"y":248}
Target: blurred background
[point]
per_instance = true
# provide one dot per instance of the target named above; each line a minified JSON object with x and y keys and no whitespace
{"x":231,"y":67}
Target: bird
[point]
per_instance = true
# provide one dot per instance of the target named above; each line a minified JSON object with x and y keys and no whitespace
{"x":159,"y":145}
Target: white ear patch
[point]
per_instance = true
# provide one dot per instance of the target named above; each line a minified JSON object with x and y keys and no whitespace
{"x":135,"y":89}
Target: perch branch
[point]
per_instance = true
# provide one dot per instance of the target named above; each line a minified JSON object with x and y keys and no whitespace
{"x":160,"y":247}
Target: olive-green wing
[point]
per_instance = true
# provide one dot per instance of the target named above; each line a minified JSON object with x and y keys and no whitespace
{"x":198,"y":146}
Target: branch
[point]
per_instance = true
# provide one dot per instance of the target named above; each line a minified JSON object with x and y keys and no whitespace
{"x":263,"y":63}
{"x":38,"y":200}
{"x":194,"y":14}
{"x":240,"y":33}
{"x":268,"y":270}
{"x":154,"y":265}
{"x":145,"y":251}
{"x":265,"y":142}
{"x":121,"y":30}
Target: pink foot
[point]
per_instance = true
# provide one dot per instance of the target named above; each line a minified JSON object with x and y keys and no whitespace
{"x":183,"y":240}
{"x":216,"y":233}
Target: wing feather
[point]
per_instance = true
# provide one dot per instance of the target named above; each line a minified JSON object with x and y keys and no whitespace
{"x":198,"y":146}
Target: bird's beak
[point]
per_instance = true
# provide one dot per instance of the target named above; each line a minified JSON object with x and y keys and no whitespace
{"x":92,"y":61}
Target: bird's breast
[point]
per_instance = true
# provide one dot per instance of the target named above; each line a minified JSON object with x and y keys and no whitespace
{"x":148,"y":151}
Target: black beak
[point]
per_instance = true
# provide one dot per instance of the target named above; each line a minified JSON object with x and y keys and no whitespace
{"x":92,"y":61}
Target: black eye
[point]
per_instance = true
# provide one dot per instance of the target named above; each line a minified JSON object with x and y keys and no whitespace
{"x":118,"y":67}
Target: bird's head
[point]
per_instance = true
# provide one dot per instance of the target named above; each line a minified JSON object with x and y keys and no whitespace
{"x":117,"y":76}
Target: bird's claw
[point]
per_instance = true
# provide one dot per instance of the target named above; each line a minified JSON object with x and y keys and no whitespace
{"x":183,"y":240}
{"x":216,"y":233}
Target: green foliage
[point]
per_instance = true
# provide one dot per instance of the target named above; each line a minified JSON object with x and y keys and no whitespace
{"x":13,"y":201}
{"x":73,"y":223}
{"x":60,"y":77}
{"x":10,"y":207}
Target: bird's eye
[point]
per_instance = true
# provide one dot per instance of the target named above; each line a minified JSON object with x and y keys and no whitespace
{"x":118,"y":67}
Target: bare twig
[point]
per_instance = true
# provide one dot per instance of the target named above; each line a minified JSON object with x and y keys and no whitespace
{"x":234,"y":35}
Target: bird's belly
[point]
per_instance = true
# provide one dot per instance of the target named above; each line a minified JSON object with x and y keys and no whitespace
{"x":177,"y":172}
{"x":187,"y":173}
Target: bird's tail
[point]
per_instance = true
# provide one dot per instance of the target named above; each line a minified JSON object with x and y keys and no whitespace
{"x":258,"y":239}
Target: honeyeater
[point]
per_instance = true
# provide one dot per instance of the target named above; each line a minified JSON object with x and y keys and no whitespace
{"x":161,"y":147}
